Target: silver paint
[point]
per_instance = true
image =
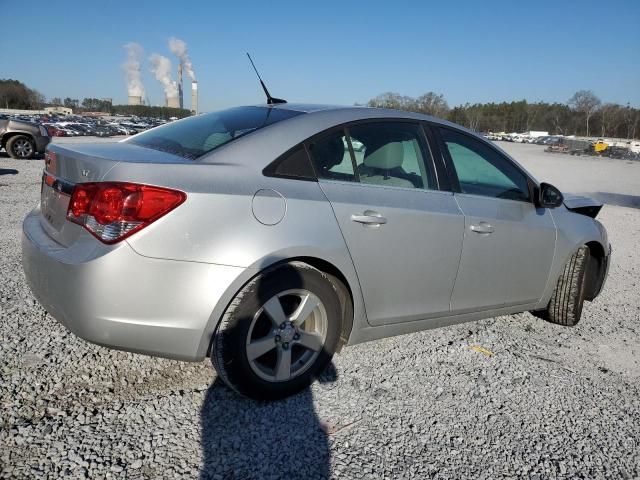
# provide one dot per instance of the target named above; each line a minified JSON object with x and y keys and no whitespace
{"x":411,"y":256}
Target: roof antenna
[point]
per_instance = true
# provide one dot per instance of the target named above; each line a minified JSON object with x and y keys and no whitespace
{"x":270,"y":99}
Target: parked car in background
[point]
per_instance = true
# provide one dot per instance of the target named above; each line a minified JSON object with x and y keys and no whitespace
{"x":23,"y":140}
{"x":259,"y":236}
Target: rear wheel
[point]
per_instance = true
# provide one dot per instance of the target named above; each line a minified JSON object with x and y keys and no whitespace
{"x":21,"y":147}
{"x":279,"y":333}
{"x":565,"y":306}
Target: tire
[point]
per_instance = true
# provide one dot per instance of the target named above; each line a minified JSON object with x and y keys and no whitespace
{"x":565,"y":306}
{"x":21,"y":147}
{"x":266,"y":311}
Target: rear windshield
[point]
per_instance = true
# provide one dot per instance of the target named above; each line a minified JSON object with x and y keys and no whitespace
{"x":193,"y":137}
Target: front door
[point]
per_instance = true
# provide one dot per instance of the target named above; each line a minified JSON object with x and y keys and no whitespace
{"x":508,"y":243}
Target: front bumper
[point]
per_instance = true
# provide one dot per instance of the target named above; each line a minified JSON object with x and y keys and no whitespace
{"x":112,"y":296}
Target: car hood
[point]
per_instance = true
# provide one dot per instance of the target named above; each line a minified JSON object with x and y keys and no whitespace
{"x":582,"y":205}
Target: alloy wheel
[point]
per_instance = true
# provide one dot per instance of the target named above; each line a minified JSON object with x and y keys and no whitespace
{"x":286,"y":335}
{"x":23,"y":148}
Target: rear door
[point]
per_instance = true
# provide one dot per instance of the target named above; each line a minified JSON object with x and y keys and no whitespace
{"x":508,"y":242}
{"x":404,"y":235}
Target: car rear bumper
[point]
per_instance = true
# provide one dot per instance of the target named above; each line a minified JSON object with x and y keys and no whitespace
{"x":112,"y":296}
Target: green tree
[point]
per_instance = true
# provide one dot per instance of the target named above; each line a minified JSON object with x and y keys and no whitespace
{"x":15,"y":94}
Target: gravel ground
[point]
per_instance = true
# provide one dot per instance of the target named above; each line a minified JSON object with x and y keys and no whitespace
{"x":541,"y":402}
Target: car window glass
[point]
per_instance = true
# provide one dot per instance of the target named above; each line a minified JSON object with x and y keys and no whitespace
{"x":294,"y":164}
{"x":481,"y":170}
{"x":331,"y":157}
{"x":195,"y":136}
{"x":391,"y":154}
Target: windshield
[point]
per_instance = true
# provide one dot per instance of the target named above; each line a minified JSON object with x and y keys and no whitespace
{"x":193,"y":137}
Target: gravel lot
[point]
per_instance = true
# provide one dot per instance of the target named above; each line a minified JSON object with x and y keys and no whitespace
{"x":550,"y":402}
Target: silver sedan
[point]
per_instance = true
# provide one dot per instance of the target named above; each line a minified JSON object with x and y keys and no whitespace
{"x":269,"y":237}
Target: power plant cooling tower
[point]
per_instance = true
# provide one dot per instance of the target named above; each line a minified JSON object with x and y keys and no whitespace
{"x":194,"y":98}
{"x":173,"y":102}
{"x":135,"y":100}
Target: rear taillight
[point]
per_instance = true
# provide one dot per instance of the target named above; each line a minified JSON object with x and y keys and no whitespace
{"x":112,"y":211}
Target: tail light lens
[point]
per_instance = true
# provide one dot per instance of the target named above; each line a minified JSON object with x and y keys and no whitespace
{"x":112,"y":211}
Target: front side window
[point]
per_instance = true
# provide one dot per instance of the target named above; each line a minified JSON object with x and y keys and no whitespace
{"x":483,"y":171}
{"x":195,"y":136}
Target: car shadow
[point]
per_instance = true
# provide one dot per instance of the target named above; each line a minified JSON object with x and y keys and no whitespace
{"x":8,"y":171}
{"x":619,"y":199}
{"x":244,"y":438}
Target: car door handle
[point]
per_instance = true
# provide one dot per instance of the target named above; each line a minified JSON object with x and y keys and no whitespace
{"x":482,"y":227}
{"x":369,"y":217}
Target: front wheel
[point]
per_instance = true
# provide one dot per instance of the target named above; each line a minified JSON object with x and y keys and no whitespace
{"x":279,"y":332}
{"x":21,"y":147}
{"x":565,"y":306}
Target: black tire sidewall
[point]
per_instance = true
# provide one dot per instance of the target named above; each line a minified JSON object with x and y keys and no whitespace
{"x":14,"y":139}
{"x":230,"y":348}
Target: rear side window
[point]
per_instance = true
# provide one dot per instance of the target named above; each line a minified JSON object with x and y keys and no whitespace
{"x":392,"y":154}
{"x":295,"y":164}
{"x":389,"y":154}
{"x":483,"y":171}
{"x":195,"y":136}
{"x":331,"y":157}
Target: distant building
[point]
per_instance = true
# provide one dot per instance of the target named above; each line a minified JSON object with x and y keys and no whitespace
{"x":173,"y":102}
{"x":58,"y":110}
{"x":95,"y":114}
{"x":536,"y":134}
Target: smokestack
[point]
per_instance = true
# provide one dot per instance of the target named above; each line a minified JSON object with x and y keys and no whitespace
{"x":133,"y":75}
{"x":180,"y":90}
{"x":135,"y":100}
{"x":194,"y":98}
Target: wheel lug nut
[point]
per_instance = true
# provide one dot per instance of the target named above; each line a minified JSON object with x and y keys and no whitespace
{"x":277,"y":338}
{"x":296,"y":336}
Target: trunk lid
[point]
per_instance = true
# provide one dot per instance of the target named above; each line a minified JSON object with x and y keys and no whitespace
{"x":81,"y":163}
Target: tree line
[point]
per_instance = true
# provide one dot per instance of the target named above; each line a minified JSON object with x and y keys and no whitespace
{"x":583,"y":114}
{"x":15,"y":94}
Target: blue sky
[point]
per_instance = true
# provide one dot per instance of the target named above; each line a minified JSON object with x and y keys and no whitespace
{"x":333,"y":52}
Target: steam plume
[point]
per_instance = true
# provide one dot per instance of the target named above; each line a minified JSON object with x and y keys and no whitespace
{"x":161,"y":68}
{"x":179,"y":49}
{"x":131,"y":69}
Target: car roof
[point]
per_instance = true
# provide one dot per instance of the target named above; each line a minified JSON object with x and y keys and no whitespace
{"x":275,"y":139}
{"x":357,"y":111}
{"x":279,"y":137}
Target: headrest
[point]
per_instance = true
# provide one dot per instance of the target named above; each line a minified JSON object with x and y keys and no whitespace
{"x":386,"y":157}
{"x":329,"y":153}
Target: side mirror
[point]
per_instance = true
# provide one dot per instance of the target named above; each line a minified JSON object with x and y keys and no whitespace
{"x":549,"y":196}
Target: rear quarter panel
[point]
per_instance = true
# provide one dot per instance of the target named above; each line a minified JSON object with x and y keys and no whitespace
{"x":217,"y":225}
